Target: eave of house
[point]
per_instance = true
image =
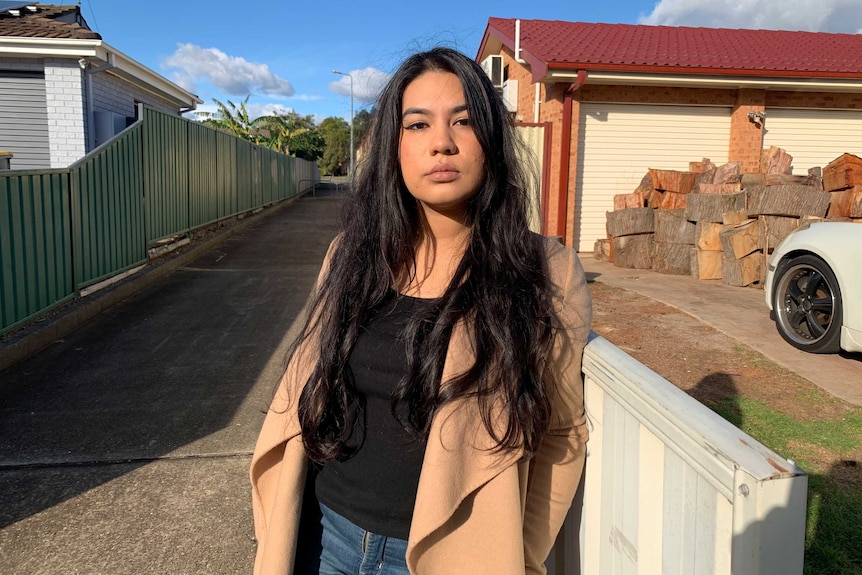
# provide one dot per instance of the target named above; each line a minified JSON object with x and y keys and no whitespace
{"x":99,"y":54}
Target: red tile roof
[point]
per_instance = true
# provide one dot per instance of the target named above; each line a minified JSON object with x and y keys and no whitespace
{"x":48,"y":21}
{"x":672,"y":49}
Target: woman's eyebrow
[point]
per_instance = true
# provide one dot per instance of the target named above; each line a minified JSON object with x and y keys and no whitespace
{"x":425,"y":112}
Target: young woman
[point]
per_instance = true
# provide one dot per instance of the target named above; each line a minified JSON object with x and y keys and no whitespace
{"x":434,"y":399}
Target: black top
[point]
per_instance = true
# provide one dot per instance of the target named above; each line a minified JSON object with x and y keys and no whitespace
{"x":375,"y":488}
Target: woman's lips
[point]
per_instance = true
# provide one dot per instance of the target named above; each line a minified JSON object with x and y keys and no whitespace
{"x":443,"y":174}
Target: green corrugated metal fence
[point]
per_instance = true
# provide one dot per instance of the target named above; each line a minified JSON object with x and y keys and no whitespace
{"x":35,"y":244}
{"x":64,"y":230}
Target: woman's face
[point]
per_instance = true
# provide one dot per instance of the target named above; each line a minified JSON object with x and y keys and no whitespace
{"x":441,"y":160}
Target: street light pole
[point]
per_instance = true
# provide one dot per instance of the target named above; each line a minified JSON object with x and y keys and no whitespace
{"x":352,"y":166}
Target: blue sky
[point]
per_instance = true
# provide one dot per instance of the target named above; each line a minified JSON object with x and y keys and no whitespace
{"x":282,"y":54}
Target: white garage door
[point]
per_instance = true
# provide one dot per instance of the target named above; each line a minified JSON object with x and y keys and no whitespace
{"x":813,"y":137}
{"x":620,"y":142}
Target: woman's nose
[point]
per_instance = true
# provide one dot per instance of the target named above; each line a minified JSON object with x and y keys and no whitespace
{"x":442,"y":142}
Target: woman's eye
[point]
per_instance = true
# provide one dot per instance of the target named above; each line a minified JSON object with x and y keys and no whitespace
{"x":462,"y":122}
{"x":415,"y":126}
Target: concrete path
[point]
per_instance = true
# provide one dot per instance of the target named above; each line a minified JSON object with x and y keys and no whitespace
{"x":124,"y":447}
{"x":740,"y":313}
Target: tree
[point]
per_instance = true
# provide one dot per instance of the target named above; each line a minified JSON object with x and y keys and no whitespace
{"x":291,"y":134}
{"x":229,"y":118}
{"x":361,"y":125}
{"x":336,"y":156}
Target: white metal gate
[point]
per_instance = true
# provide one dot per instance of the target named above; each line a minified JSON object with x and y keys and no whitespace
{"x":672,"y":488}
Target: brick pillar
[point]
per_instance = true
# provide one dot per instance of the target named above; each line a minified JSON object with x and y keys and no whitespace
{"x":64,"y":94}
{"x":746,"y":137}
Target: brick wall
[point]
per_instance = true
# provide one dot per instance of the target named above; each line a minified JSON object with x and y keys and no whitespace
{"x":526,"y":90}
{"x":112,"y":94}
{"x":658,"y":95}
{"x":64,"y":91}
{"x":22,"y":64}
{"x":813,"y":100}
{"x":746,"y":137}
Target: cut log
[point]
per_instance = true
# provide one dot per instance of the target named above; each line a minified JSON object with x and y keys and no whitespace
{"x":757,"y":179}
{"x":701,"y":167}
{"x":630,"y":221}
{"x":707,"y":236}
{"x":740,"y":240}
{"x":775,"y":161}
{"x":671,"y":227}
{"x":634,"y":251}
{"x":655,"y":199}
{"x":846,"y":203}
{"x":733,"y":218}
{"x":672,"y":201}
{"x":742,"y":272}
{"x":773,"y":229}
{"x":814,"y":178}
{"x":706,"y":265}
{"x":645,"y":187}
{"x":632,"y":200}
{"x":672,"y":259}
{"x":711,"y":207}
{"x":845,"y":171}
{"x":789,"y":179}
{"x":603,"y":250}
{"x":787,"y":200}
{"x":672,"y":180}
{"x":733,"y":188}
{"x":728,"y":173}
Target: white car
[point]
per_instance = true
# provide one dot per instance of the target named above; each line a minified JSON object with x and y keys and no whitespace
{"x":814,"y":287}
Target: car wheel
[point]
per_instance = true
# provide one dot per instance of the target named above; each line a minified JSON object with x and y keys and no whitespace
{"x":807,"y":304}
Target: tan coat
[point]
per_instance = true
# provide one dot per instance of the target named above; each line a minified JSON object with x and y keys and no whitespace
{"x":477,"y":512}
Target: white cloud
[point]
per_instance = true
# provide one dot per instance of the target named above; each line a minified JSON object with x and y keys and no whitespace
{"x":258,"y":110}
{"x":812,"y":15}
{"x":231,"y":74}
{"x":367,"y":84}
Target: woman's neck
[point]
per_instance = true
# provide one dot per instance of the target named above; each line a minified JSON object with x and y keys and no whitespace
{"x":438,"y":254}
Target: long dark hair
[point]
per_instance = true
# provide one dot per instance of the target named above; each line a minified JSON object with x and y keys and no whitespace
{"x":499,"y":290}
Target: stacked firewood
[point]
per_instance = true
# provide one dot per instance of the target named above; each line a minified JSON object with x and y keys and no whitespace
{"x":714,"y":222}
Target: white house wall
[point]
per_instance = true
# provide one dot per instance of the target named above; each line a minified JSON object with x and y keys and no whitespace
{"x":64,"y":90}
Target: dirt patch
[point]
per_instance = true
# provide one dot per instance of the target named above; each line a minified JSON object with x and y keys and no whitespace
{"x":715,"y":369}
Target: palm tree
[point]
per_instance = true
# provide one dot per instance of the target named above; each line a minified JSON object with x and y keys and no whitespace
{"x":230,"y":118}
{"x":278,"y":130}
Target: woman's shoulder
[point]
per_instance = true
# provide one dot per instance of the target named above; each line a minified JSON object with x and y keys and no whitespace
{"x":559,"y":257}
{"x":565,"y":273}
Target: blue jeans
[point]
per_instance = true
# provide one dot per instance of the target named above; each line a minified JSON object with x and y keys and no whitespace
{"x":351,"y":550}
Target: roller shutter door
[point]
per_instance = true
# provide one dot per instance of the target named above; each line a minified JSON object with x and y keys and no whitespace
{"x":813,"y":137}
{"x":24,"y":119}
{"x":618,"y":143}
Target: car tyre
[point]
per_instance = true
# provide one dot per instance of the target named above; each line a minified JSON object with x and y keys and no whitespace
{"x":807,"y":304}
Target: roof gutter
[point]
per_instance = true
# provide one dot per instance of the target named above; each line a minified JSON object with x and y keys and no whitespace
{"x":708,"y":81}
{"x":103,"y":53}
